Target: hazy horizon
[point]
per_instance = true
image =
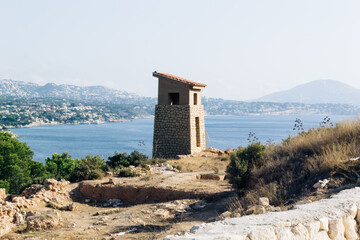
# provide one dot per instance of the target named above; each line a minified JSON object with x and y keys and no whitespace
{"x":245,"y":100}
{"x":242,"y":50}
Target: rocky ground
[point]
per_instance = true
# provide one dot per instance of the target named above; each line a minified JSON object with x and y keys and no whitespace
{"x":162,"y":202}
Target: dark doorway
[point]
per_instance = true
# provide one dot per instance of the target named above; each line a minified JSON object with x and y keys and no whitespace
{"x":197,"y":125}
{"x":174,"y":98}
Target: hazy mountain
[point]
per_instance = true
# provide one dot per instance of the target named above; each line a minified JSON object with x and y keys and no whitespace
{"x":319,"y":91}
{"x":50,"y":90}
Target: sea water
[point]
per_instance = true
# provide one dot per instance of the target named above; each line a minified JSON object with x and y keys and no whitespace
{"x":223,"y":132}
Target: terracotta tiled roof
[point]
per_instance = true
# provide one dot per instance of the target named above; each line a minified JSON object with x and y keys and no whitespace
{"x":173,"y":77}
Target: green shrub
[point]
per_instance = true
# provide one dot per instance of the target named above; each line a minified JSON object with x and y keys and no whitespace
{"x":120,"y":160}
{"x":243,"y":160}
{"x":60,"y":166}
{"x":127,"y":172}
{"x":5,"y":184}
{"x":15,"y":163}
{"x":90,"y":168}
{"x":179,"y":167}
{"x":135,"y":158}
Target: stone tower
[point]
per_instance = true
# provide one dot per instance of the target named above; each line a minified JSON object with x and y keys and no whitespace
{"x":179,"y":126}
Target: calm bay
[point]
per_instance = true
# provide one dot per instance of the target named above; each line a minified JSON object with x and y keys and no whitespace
{"x":103,"y":140}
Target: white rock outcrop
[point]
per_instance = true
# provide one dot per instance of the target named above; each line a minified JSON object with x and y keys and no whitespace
{"x":335,"y":218}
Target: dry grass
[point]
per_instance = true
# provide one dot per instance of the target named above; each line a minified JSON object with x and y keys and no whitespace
{"x":292,"y":168}
{"x":201,"y":164}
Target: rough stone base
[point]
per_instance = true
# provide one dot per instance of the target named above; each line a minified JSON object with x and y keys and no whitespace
{"x":175,"y":130}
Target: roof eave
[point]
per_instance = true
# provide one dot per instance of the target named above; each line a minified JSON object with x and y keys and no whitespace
{"x":192,"y":84}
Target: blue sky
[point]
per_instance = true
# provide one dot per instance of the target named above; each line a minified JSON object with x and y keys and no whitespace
{"x":240,"y":49}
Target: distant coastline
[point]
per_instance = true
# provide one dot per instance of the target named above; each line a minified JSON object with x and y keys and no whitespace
{"x":40,"y":123}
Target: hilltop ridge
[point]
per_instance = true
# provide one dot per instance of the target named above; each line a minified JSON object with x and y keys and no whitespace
{"x":318,"y":91}
{"x":20,"y":89}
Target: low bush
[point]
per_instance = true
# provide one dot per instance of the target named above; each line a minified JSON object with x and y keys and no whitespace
{"x":244,"y":160}
{"x":120,"y":160}
{"x":127,"y":172}
{"x":89,"y":168}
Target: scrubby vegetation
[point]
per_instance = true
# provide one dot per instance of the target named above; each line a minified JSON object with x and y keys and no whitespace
{"x":243,"y":160}
{"x":121,"y":160}
{"x":16,"y":165}
{"x":18,"y":170}
{"x":91,"y":167}
{"x":287,"y":172}
{"x":127,"y":172}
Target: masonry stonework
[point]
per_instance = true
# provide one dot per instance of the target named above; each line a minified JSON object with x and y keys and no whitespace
{"x":175,"y":130}
{"x":179,"y":125}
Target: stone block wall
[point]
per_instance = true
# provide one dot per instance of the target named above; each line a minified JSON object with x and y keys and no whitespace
{"x":197,"y":111}
{"x":175,"y":130}
{"x":335,"y":218}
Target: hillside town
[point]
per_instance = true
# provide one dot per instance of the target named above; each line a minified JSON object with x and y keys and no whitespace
{"x":19,"y":114}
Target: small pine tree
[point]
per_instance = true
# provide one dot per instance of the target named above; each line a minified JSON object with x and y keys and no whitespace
{"x":243,"y":160}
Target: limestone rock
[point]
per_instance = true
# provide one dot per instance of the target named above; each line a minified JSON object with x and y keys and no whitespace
{"x":324,"y":224}
{"x":263,"y":234}
{"x":224,"y":215}
{"x":353,"y":210}
{"x":235,"y":214}
{"x":58,"y":206}
{"x":336,"y":229}
{"x":351,"y":228}
{"x":357,"y":218}
{"x":2,"y":194}
{"x":321,"y":184}
{"x":264,"y":201}
{"x":50,"y":184}
{"x":18,"y":218}
{"x":42,"y":222}
{"x":256,"y":209}
{"x":313,"y":227}
{"x":5,"y":227}
{"x":284,"y":234}
{"x":32,"y":190}
{"x":322,"y":235}
{"x":53,"y":185}
{"x":300,"y":231}
{"x":162,"y":213}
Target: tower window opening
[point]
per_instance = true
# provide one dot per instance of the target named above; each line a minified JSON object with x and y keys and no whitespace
{"x":195,"y":98}
{"x":174,"y":98}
